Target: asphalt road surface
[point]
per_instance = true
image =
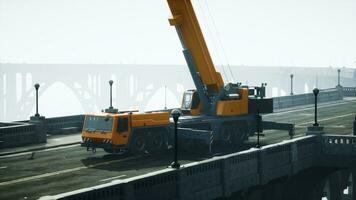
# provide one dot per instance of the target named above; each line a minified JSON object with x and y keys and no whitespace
{"x":31,"y":175}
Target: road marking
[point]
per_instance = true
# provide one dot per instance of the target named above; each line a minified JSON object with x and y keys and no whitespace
{"x":334,"y":126}
{"x":45,"y":175}
{"x":108,"y":179}
{"x":3,"y":167}
{"x":329,"y":118}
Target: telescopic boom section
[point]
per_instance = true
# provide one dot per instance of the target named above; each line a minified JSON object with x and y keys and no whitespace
{"x":205,"y":77}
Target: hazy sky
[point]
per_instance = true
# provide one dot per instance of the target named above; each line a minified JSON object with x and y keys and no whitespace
{"x":251,"y":32}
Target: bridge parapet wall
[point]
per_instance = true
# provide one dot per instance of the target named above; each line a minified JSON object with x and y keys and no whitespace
{"x":24,"y":132}
{"x":349,"y":91}
{"x":212,"y":178}
{"x":339,"y":144}
{"x":18,"y":134}
{"x":240,"y":171}
{"x":339,"y":151}
{"x":326,"y":95}
{"x":57,"y":125}
{"x":306,"y":150}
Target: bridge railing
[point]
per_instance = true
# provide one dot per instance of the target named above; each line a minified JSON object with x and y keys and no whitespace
{"x":17,"y":135}
{"x":325,"y":95}
{"x":339,"y":145}
{"x":349,"y":91}
{"x":339,"y":150}
{"x":211,"y":178}
{"x":27,"y":132}
{"x":61,"y":124}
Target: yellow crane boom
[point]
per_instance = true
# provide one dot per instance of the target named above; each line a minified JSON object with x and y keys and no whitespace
{"x":191,"y":36}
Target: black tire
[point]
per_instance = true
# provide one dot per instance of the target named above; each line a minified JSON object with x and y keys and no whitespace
{"x":156,"y":142}
{"x":239,"y":136}
{"x":108,"y":150}
{"x":226,"y":134}
{"x":138,"y":144}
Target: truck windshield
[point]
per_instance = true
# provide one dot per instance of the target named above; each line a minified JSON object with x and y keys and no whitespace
{"x":98,"y":123}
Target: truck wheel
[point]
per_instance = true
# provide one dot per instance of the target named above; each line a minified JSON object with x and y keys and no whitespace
{"x":138,"y":145}
{"x":107,"y":150}
{"x":226,"y":135}
{"x":239,"y":137}
{"x":156,"y":142}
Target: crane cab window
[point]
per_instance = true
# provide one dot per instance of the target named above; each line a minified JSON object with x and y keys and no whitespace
{"x":123,"y":125}
{"x":195,"y":100}
{"x":190,"y":100}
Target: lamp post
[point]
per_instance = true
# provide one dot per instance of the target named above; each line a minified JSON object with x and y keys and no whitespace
{"x":165,"y":97}
{"x":110,"y":83}
{"x":338,"y":77}
{"x":354,"y":126}
{"x":316,"y":92}
{"x":37,"y":86}
{"x":315,"y":129}
{"x":259,"y":127}
{"x":175,"y":114}
{"x":291,"y":84}
{"x":111,"y":109}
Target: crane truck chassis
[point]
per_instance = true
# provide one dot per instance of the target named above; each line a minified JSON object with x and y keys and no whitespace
{"x":212,"y":113}
{"x":152,"y":132}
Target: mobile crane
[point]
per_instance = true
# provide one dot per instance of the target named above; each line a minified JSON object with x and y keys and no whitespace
{"x":213,"y":112}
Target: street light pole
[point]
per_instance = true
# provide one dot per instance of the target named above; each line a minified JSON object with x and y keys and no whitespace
{"x":338,"y":77}
{"x":165,"y":97}
{"x":259,"y":128}
{"x":316,"y":92}
{"x":175,"y":114}
{"x":354,"y":126}
{"x":110,"y":83}
{"x":37,"y":86}
{"x":291,"y":84}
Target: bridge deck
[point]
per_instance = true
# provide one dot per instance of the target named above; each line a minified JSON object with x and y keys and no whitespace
{"x":65,"y":169}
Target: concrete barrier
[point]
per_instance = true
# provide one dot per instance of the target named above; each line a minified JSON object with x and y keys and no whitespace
{"x":201,"y":180}
{"x":30,"y":132}
{"x":304,"y":99}
{"x":18,"y":135}
{"x":306,"y":151}
{"x":240,"y":171}
{"x":275,"y":162}
{"x":161,"y":185}
{"x":212,"y":178}
{"x":58,"y":125}
{"x":338,"y":150}
{"x":339,"y":145}
{"x":349,"y":91}
{"x":224,"y":175}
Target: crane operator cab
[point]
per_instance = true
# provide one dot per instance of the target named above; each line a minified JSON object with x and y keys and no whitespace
{"x":191,"y":103}
{"x":228,"y":101}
